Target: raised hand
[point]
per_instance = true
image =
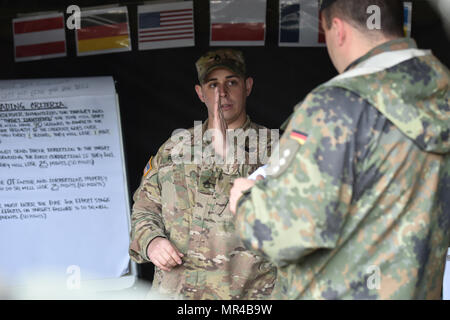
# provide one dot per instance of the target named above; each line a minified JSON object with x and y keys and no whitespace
{"x":219,"y":126}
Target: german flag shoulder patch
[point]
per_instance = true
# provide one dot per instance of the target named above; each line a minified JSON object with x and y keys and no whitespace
{"x":299,"y":136}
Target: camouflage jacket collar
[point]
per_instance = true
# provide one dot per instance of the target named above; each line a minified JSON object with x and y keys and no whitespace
{"x":390,"y":46}
{"x":410,"y":88}
{"x":393,"y":45}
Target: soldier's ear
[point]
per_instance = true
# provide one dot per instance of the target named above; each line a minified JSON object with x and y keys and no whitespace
{"x":248,"y":85}
{"x":339,"y":29}
{"x":200,"y":94}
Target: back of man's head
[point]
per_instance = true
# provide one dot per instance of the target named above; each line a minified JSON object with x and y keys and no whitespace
{"x":356,"y":13}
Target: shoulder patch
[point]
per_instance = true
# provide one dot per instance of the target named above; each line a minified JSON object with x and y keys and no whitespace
{"x":287,"y":153}
{"x":148,"y":167}
{"x":299,"y":136}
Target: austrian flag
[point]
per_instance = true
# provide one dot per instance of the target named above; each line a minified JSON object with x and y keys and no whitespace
{"x":39,"y":37}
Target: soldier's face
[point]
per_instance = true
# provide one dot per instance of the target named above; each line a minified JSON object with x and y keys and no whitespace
{"x":233,"y":91}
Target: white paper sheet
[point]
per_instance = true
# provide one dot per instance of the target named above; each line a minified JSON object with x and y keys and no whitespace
{"x":260,"y":171}
{"x":64,"y":199}
{"x":446,"y":288}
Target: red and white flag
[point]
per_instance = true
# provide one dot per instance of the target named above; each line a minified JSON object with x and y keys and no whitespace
{"x":238,"y":23}
{"x":39,"y":37}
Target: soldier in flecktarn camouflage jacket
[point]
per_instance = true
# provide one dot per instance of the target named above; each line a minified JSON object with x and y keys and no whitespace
{"x":357,"y":206}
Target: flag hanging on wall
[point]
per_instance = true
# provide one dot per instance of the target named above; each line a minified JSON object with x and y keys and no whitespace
{"x":300,"y":24}
{"x":39,"y":37}
{"x":168,"y":25}
{"x":407,"y":9}
{"x":103,"y":31}
{"x":238,"y":23}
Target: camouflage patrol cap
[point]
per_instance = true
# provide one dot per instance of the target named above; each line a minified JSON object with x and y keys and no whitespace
{"x":326,"y":3}
{"x":222,"y":58}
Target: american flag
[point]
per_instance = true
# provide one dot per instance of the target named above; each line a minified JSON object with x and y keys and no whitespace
{"x":166,"y":25}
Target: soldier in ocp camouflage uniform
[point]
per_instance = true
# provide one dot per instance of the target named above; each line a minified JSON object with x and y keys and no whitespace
{"x":181,"y":219}
{"x":358,"y":205}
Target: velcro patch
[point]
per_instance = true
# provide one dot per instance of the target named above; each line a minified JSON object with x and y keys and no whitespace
{"x":148,"y":167}
{"x":299,"y":136}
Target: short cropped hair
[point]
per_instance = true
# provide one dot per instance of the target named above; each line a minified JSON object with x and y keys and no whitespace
{"x":355,"y":13}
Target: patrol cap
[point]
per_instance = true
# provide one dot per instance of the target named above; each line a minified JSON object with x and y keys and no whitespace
{"x":222,"y":58}
{"x":326,"y":3}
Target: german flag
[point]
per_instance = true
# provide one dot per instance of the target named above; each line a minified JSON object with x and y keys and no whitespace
{"x":299,"y":136}
{"x":103,"y":31}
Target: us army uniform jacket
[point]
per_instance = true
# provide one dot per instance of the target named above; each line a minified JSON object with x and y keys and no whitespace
{"x":358,"y":205}
{"x":188,"y":204}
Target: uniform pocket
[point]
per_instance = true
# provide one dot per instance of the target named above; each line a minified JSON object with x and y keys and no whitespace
{"x":219,"y":206}
{"x":220,"y":202}
{"x":174,"y":192}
